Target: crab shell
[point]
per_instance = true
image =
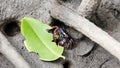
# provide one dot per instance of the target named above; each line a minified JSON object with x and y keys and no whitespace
{"x":61,"y":38}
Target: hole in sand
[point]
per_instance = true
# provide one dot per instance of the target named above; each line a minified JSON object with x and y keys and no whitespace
{"x":11,"y":27}
{"x":66,"y":64}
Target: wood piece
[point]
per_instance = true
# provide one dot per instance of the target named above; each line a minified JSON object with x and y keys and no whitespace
{"x":9,"y":52}
{"x":86,"y":27}
{"x":87,"y":7}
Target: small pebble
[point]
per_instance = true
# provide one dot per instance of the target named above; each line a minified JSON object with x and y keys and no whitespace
{"x":84,"y":47}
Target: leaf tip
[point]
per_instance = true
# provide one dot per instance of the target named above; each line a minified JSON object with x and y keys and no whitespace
{"x":24,"y":19}
{"x":63,"y":57}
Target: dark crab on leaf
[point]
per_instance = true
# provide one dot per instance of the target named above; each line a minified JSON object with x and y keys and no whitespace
{"x":61,"y":38}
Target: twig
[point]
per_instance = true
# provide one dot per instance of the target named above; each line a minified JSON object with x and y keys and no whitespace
{"x":86,"y":27}
{"x":9,"y":52}
{"x":88,"y":7}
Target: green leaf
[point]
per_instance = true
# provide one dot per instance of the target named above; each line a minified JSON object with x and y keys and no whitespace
{"x":39,"y":40}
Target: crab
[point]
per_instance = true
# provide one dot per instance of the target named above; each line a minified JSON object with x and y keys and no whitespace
{"x":61,"y":38}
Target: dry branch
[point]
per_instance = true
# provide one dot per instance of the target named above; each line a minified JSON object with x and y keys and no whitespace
{"x":9,"y":52}
{"x":88,"y":7}
{"x":86,"y":27}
